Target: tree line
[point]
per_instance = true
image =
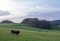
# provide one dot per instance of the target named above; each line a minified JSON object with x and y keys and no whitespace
{"x":43,"y":24}
{"x":35,"y":22}
{"x":6,"y":21}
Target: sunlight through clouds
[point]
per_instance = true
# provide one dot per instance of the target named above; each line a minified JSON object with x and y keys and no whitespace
{"x":4,"y":5}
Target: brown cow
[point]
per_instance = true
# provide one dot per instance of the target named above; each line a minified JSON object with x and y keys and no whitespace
{"x":15,"y":32}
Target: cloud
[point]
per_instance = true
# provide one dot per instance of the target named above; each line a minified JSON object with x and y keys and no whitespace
{"x":31,"y":8}
{"x":54,"y":3}
{"x":54,"y":15}
{"x":22,"y":7}
{"x":3,"y":13}
{"x":5,"y":5}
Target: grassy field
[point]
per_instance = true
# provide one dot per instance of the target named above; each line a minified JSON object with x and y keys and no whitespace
{"x":27,"y":33}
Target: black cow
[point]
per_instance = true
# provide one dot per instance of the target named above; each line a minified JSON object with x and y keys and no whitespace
{"x":15,"y":32}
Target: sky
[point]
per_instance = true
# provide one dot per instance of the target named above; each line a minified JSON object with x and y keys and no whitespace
{"x":17,"y":10}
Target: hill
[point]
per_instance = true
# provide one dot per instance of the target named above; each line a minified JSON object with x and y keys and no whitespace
{"x":56,"y":22}
{"x":27,"y":33}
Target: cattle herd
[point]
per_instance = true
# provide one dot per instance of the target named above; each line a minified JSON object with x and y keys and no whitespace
{"x":15,"y":32}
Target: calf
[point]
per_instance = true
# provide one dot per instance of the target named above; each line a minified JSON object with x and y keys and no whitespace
{"x":15,"y":32}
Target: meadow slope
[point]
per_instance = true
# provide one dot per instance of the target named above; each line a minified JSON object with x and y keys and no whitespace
{"x":27,"y":33}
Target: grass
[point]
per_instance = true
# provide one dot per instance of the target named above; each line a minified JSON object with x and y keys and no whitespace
{"x":27,"y":33}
